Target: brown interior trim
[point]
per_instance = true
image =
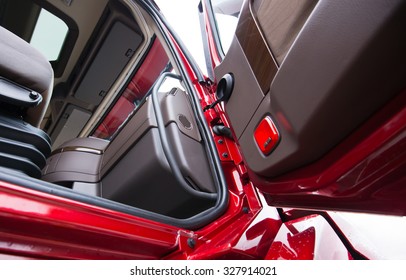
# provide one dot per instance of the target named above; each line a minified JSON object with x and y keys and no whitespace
{"x":255,"y":48}
{"x":280,"y":22}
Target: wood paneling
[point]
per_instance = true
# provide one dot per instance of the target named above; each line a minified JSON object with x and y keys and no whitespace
{"x":255,"y":48}
{"x":280,"y":22}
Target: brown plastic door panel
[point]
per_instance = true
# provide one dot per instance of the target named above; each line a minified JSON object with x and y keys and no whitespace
{"x":320,"y":71}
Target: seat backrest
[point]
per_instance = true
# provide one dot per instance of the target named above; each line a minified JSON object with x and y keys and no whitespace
{"x":23,"y":64}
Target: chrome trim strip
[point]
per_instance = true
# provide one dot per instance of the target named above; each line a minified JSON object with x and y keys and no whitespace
{"x":78,"y":149}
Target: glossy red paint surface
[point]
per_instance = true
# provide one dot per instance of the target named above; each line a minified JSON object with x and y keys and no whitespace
{"x":249,"y":227}
{"x":40,"y":225}
{"x":363,"y":173}
{"x":46,"y":226}
{"x":308,"y":238}
{"x":245,"y":231}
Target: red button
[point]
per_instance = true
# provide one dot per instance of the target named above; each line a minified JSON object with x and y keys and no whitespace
{"x":266,"y":135}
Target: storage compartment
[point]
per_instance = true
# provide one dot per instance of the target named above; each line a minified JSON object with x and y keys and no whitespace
{"x":115,"y":52}
{"x":69,"y":126}
{"x":133,"y":169}
{"x":144,"y":179}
